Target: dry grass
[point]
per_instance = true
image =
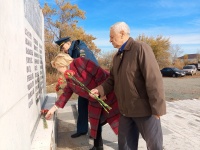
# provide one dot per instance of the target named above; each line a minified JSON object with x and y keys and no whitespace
{"x":52,"y":78}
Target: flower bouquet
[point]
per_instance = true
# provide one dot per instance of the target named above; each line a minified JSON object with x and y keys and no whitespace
{"x":43,"y":112}
{"x":70,"y":74}
{"x":59,"y":84}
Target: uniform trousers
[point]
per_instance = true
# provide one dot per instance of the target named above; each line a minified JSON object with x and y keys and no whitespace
{"x":149,"y":127}
{"x":82,"y":121}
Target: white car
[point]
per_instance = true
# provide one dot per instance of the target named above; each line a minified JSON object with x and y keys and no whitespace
{"x":190,"y":69}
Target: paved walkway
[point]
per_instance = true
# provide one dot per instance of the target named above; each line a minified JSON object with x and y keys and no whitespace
{"x":181,"y":128}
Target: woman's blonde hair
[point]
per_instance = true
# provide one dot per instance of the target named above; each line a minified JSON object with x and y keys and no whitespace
{"x":61,"y":60}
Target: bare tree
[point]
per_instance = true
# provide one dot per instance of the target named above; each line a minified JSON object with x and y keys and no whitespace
{"x":175,"y":52}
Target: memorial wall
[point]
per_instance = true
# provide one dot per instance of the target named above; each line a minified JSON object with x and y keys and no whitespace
{"x":22,"y":76}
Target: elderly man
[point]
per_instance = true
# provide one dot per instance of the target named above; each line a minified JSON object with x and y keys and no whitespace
{"x":136,"y":79}
{"x":76,"y":49}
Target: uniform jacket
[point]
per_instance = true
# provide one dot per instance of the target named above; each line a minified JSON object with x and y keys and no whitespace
{"x":137,"y":81}
{"x":76,"y":46}
{"x":91,"y":76}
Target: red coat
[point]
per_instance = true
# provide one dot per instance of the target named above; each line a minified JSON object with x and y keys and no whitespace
{"x":91,"y":76}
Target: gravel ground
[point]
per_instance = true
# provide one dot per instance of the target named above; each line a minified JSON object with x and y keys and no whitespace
{"x":182,"y":88}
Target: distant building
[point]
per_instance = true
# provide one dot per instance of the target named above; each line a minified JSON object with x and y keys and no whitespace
{"x":191,"y":59}
{"x":194,"y":58}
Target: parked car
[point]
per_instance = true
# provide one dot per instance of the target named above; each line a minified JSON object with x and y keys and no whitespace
{"x":190,"y":69}
{"x":172,"y":72}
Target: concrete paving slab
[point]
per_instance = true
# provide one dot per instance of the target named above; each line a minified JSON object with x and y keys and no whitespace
{"x":180,"y":126}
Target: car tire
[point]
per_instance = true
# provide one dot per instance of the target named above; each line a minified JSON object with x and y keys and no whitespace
{"x":174,"y":75}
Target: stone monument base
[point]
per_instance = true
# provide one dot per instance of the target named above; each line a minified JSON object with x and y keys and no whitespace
{"x":44,"y":138}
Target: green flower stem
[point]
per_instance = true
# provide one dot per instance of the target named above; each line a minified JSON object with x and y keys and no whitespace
{"x":97,"y":98}
{"x":101,"y":102}
{"x":45,"y":125}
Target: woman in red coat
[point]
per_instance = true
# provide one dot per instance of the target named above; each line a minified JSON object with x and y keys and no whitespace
{"x":91,"y":76}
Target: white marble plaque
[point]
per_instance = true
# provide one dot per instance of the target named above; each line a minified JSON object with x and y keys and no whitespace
{"x":22,"y":77}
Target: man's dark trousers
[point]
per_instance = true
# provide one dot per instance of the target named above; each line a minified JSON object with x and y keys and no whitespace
{"x":82,"y":121}
{"x":149,"y":127}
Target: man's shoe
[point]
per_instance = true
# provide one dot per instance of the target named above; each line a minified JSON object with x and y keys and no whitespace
{"x":77,"y":135}
{"x":97,"y":148}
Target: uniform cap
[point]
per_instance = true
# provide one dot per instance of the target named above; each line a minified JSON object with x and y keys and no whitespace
{"x":61,"y":41}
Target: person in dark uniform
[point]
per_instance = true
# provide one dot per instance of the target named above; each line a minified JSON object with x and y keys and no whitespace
{"x":76,"y":49}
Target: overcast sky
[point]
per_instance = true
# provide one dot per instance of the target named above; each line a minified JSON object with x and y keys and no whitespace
{"x":178,"y":20}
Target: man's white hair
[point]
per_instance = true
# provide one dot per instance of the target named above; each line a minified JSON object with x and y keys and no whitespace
{"x":121,"y":26}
